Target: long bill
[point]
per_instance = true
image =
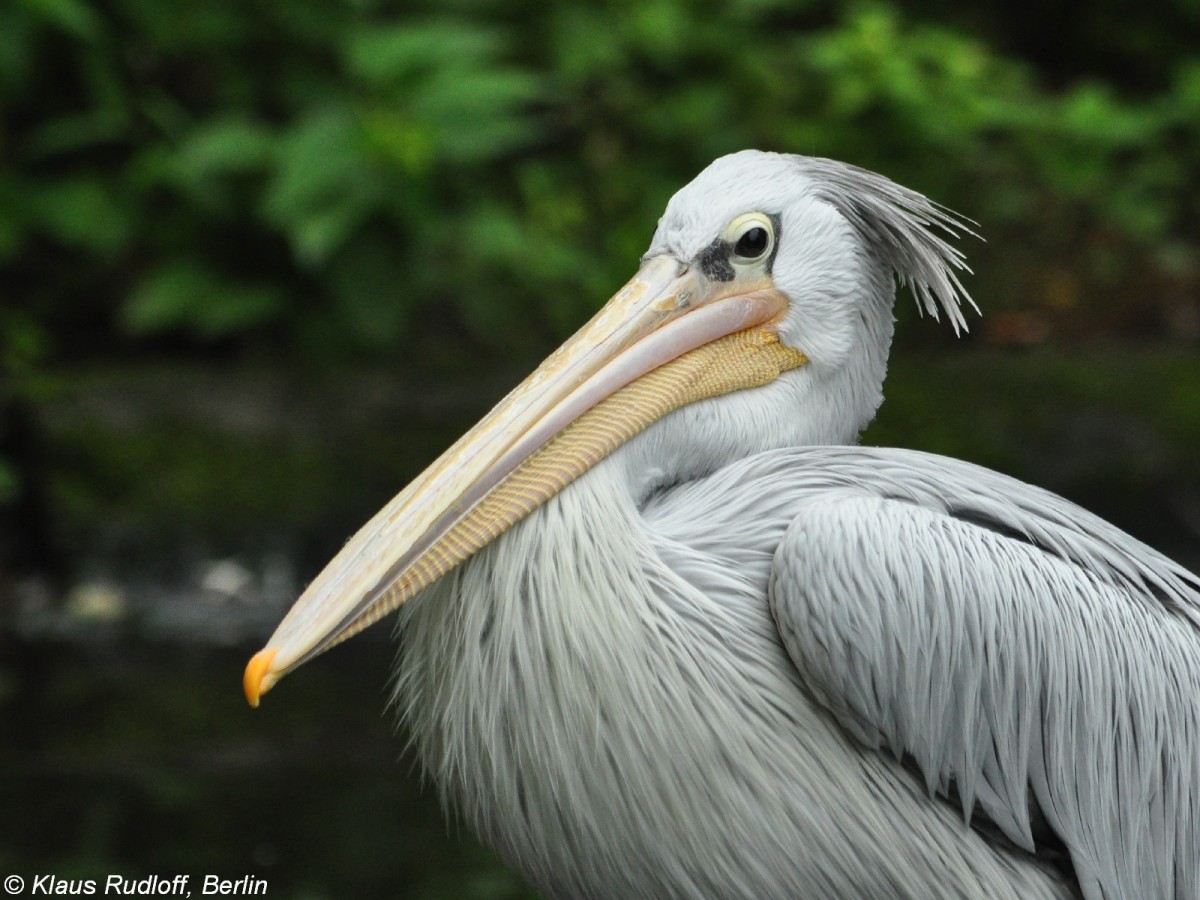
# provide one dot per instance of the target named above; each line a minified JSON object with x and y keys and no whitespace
{"x":669,"y":337}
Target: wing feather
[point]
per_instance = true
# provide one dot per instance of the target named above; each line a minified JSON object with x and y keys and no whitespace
{"x":1021,"y":651}
{"x":1038,"y":665}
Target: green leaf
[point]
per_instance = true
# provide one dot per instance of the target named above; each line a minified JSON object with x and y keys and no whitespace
{"x":81,"y":211}
{"x":323,"y":187}
{"x":226,"y":144}
{"x":73,"y":16}
{"x":185,"y":296}
{"x":72,"y":133}
{"x":388,"y":54}
{"x":401,"y":140}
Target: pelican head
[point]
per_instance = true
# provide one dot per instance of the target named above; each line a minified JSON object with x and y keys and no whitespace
{"x":761,"y":316}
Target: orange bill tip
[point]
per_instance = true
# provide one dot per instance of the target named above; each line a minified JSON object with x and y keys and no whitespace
{"x":256,"y":673}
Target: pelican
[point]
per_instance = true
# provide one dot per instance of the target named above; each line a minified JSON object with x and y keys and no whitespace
{"x":665,"y":632}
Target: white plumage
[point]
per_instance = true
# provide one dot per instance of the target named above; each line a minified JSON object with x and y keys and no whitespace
{"x":727,"y":661}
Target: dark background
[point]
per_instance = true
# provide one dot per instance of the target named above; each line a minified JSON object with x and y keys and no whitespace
{"x":260,"y":260}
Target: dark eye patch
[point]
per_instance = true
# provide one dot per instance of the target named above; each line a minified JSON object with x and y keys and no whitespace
{"x":714,"y":261}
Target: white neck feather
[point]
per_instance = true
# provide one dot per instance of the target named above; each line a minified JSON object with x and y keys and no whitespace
{"x":612,"y":730}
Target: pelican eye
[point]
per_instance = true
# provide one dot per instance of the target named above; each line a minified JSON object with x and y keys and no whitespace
{"x":752,"y":244}
{"x":752,"y":237}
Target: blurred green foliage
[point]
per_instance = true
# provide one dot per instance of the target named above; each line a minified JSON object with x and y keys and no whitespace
{"x":327,"y":178}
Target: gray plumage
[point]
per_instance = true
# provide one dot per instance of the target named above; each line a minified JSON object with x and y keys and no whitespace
{"x":727,"y":663}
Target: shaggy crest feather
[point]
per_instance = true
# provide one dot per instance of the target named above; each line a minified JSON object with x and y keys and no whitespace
{"x":901,"y":226}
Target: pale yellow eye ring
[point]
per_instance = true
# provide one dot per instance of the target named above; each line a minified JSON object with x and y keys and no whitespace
{"x":752,"y":237}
